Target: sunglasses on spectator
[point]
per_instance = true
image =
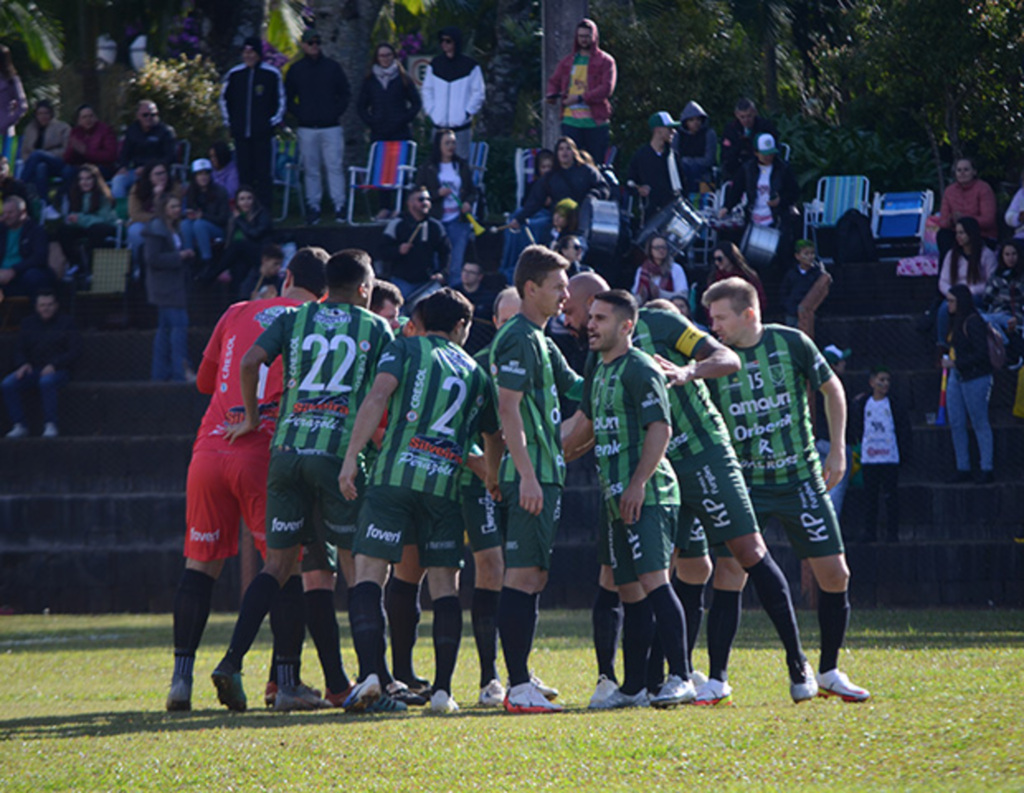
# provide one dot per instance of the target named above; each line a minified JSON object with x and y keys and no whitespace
{"x":574,"y":245}
{"x":423,"y":199}
{"x":149,"y":115}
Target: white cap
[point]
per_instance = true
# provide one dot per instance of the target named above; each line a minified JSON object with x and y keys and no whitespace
{"x":766,"y":144}
{"x":202,"y":164}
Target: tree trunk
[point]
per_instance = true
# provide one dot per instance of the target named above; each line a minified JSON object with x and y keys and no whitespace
{"x":771,"y":72}
{"x":498,"y":114}
{"x":559,"y":20}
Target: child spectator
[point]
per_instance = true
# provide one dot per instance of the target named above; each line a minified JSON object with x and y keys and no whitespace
{"x":882,"y":426}
{"x":804,"y":287}
{"x":267,"y":280}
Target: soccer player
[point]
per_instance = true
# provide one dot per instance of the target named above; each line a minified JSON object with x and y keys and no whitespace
{"x":766,"y":411}
{"x":329,"y":353}
{"x":437,"y":396}
{"x":712,"y":490}
{"x":626,"y":414}
{"x":531,"y":375}
{"x":228,"y":482}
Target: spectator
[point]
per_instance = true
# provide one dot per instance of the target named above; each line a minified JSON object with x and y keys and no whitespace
{"x":659,"y":276}
{"x":248,"y":231}
{"x":450,"y":181}
{"x":386,"y":300}
{"x":225,"y":169}
{"x":318,"y":95}
{"x":572,"y":249}
{"x":654,"y":171}
{"x":207,"y":212}
{"x":268,"y":280}
{"x":453,"y":91}
{"x":729,"y":262}
{"x":881,"y":425}
{"x":147,"y":142}
{"x":42,"y":148}
{"x":968,"y":262}
{"x":167,"y":277}
{"x":13,"y":104}
{"x":804,"y":286}
{"x":1014,"y":216}
{"x":48,"y":345}
{"x":739,"y":137}
{"x":1003,"y":297}
{"x":538,"y":223}
{"x":583,"y":82}
{"x":155,"y":182}
{"x":89,"y":221}
{"x":969,"y":386}
{"x":415,"y":245}
{"x":572,"y":177}
{"x":564,"y":220}
{"x":696,"y":147}
{"x":252,"y":101}
{"x":23,"y":248}
{"x":90,"y":142}
{"x":388,"y":102}
{"x":970,"y":197}
{"x":476,"y":291}
{"x":9,"y":186}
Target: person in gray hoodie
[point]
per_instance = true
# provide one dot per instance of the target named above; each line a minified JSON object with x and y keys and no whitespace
{"x":167,"y":276}
{"x":696,"y":146}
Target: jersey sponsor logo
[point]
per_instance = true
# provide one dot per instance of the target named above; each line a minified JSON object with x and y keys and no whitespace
{"x":441,"y":545}
{"x":417,"y":388}
{"x":697,"y":532}
{"x":765,"y":448}
{"x":606,"y":423}
{"x":341,"y":528}
{"x":650,"y":400}
{"x":678,"y":440}
{"x":434,"y":456}
{"x":513,"y":367}
{"x":608,"y":449}
{"x":223,"y":388}
{"x":286,"y":526}
{"x":771,"y":464}
{"x":759,"y":405}
{"x":194,"y":535}
{"x":388,"y":537}
{"x":742,"y":433}
{"x":633,"y":538}
{"x":332,"y":317}
{"x":708,"y":482}
{"x":364,"y":345}
{"x":229,"y":354}
{"x":411,"y":416}
{"x":267,"y":316}
{"x":385,"y":357}
{"x":717,"y":512}
{"x":490,"y":524}
{"x":613,"y":490}
{"x":338,"y":405}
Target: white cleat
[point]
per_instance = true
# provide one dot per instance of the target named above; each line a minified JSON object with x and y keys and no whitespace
{"x":674,"y":691}
{"x":527,"y":698}
{"x":714,"y":692}
{"x":617,"y":700}
{"x":801,"y":692}
{"x":698,"y":678}
{"x":443,"y":702}
{"x":492,"y":695}
{"x":19,"y":430}
{"x":605,"y":688}
{"x":549,"y":692}
{"x":836,"y":684}
{"x":363,"y":695}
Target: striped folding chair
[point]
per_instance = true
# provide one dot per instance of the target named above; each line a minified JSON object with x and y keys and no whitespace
{"x":478,"y":153}
{"x":390,"y":166}
{"x":836,"y":195}
{"x":526,"y":172}
{"x":286,"y":171}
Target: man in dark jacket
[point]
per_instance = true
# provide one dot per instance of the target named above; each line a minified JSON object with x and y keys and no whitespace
{"x":654,"y":171}
{"x":453,"y":90}
{"x":318,"y":94}
{"x":740,"y":135}
{"x":23,"y":250}
{"x":47,"y":347}
{"x":146,"y":140}
{"x":252,"y":101}
{"x":415,"y":245}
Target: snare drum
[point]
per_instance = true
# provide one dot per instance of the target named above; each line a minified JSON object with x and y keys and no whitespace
{"x":759,"y":245}
{"x":599,"y":223}
{"x":679,"y":223}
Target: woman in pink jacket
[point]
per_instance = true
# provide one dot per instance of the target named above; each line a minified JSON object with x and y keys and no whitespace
{"x":970,"y":197}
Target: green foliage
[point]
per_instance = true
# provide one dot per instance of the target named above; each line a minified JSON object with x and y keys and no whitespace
{"x":187,"y":91}
{"x":40,"y":34}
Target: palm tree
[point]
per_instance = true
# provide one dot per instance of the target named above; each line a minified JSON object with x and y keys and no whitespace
{"x":41,"y":35}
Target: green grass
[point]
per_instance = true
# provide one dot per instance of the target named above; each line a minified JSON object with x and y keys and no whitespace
{"x":82,"y":709}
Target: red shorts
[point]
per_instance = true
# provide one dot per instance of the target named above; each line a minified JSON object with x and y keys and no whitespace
{"x":223,"y":488}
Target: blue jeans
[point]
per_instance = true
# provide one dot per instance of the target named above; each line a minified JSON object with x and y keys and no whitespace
{"x":198,"y":235}
{"x":47,"y":385}
{"x":40,"y":167}
{"x":969,"y":399}
{"x":170,"y":345}
{"x":459,"y":232}
{"x":121,"y":183}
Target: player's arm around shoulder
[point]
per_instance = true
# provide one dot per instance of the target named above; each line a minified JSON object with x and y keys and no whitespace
{"x":249,"y":374}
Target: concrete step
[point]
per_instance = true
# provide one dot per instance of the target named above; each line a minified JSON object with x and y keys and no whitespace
{"x":84,"y":464}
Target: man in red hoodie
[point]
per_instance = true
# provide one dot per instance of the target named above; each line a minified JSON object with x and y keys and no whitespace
{"x":583,"y":82}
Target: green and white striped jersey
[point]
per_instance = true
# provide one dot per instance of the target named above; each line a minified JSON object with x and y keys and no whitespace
{"x":330,"y":353}
{"x":524,"y":359}
{"x":765,"y":406}
{"x":622,"y":398}
{"x":444,"y":398}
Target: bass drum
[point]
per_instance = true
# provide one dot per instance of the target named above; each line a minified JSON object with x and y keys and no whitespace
{"x":759,"y":245}
{"x":600,"y":223}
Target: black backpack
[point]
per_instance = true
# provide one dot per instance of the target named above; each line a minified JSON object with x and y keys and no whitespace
{"x":854,"y":241}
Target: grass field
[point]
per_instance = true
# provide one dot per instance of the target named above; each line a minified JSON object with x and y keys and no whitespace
{"x":82,"y":709}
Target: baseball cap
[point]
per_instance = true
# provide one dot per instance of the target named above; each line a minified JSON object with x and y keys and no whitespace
{"x":834,"y":355}
{"x":202,"y":164}
{"x":309,"y":34}
{"x":661,"y":119}
{"x":766,"y":144}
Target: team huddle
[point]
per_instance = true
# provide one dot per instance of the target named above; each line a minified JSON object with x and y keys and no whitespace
{"x":345,"y":448}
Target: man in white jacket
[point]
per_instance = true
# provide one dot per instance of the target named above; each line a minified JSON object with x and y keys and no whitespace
{"x":453,"y":90}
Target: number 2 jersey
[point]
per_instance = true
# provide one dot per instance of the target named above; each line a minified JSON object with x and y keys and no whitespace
{"x":330,"y":353}
{"x":765,"y":406}
{"x":236,"y":331}
{"x":444,"y":398}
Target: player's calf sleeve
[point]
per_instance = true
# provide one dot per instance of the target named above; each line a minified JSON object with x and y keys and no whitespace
{"x":773,"y":592}
{"x":366,"y":618}
{"x":517,"y":623}
{"x":691,"y":597}
{"x":607,"y":617}
{"x":191,"y":611}
{"x":258,"y":599}
{"x":671,"y":626}
{"x":402,"y":603}
{"x":723,"y":623}
{"x":833,"y":619}
{"x":447,"y":637}
{"x":484,"y":614}
{"x":322,"y":623}
{"x":637,"y":634}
